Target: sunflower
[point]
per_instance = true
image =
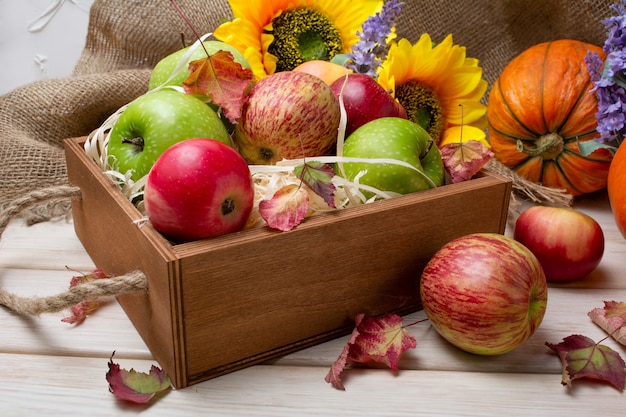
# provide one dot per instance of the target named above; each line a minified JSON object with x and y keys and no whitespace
{"x":278,"y":35}
{"x":438,"y":86}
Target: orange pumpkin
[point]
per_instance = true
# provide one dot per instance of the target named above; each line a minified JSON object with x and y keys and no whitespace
{"x":538,"y":110}
{"x":616,"y":188}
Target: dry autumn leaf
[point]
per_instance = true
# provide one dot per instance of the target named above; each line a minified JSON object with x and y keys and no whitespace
{"x":611,"y":319}
{"x":318,"y":177}
{"x":463,"y":160}
{"x":137,"y":387}
{"x":287,"y":208}
{"x":374,"y":339}
{"x":83,"y":309}
{"x":223,"y":80}
{"x":583,"y":358}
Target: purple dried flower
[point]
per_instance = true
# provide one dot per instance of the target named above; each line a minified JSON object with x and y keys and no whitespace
{"x":610,"y":82}
{"x":371,"y":49}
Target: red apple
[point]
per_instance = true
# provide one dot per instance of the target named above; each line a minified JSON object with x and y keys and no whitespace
{"x":365,"y":100}
{"x":198,"y":188}
{"x":485,"y":293}
{"x":568,"y":243}
{"x":287,"y":115}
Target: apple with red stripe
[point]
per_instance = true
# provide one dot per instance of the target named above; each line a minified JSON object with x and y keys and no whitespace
{"x":485,"y":293}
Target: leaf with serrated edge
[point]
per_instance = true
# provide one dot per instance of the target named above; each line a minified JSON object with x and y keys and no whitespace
{"x":374,"y":339}
{"x":382,"y":340}
{"x":137,"y":387}
{"x":581,"y":357}
{"x":222,"y":79}
{"x":287,"y":208}
{"x":318,"y":177}
{"x":611,"y":319}
{"x":464,"y":159}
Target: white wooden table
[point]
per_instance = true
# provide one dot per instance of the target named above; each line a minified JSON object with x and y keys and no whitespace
{"x":48,"y":367}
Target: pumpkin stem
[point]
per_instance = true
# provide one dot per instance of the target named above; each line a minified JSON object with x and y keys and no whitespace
{"x":548,"y":146}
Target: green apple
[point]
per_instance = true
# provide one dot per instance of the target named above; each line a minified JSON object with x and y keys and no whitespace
{"x":155,"y":121}
{"x":165,"y":67}
{"x":394,"y":138}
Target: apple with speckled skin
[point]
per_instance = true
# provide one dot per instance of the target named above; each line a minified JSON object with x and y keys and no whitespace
{"x":399,"y":139}
{"x":197,"y":189}
{"x":485,"y":293}
{"x":155,"y":121}
{"x":568,"y":243}
{"x":287,"y":115}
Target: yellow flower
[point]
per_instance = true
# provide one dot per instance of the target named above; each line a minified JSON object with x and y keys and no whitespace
{"x":278,"y":35}
{"x":438,"y":86}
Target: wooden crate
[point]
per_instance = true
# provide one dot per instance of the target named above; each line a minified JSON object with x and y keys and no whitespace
{"x":218,"y":305}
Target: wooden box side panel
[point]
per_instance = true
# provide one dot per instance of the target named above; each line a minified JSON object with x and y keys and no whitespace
{"x":218,"y":305}
{"x":243,"y":303}
{"x":103,"y":220}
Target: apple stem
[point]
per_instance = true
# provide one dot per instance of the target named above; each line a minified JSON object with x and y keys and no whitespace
{"x":138,"y":142}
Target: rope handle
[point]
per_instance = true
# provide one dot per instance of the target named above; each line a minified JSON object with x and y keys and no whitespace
{"x":94,"y":290}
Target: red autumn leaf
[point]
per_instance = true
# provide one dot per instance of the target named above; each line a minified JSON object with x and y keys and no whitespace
{"x":137,"y":387}
{"x":223,"y":80}
{"x":318,"y":177}
{"x":287,"y":208}
{"x":374,"y":339}
{"x":611,"y":319}
{"x":464,"y":159}
{"x":83,"y":309}
{"x":382,"y":340}
{"x":583,"y":358}
{"x":333,"y":376}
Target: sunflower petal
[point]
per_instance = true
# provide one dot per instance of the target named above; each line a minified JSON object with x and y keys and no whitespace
{"x":247,"y":29}
{"x":455,"y":79}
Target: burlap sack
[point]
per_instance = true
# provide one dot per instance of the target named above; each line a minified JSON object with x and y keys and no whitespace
{"x":125,"y":39}
{"x":128,"y":37}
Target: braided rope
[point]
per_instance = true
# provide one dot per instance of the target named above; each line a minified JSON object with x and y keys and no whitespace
{"x":93,"y":290}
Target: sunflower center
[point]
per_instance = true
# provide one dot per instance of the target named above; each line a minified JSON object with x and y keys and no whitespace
{"x":303,"y":35}
{"x":422,"y":107}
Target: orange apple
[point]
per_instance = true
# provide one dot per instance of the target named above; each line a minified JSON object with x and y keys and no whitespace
{"x":327,"y":71}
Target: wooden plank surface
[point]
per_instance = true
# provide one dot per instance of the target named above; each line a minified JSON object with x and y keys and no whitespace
{"x":51,"y":368}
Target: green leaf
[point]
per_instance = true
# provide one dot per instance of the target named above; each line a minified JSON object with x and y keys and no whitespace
{"x":137,"y":387}
{"x":590,"y":146}
{"x":583,"y":358}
